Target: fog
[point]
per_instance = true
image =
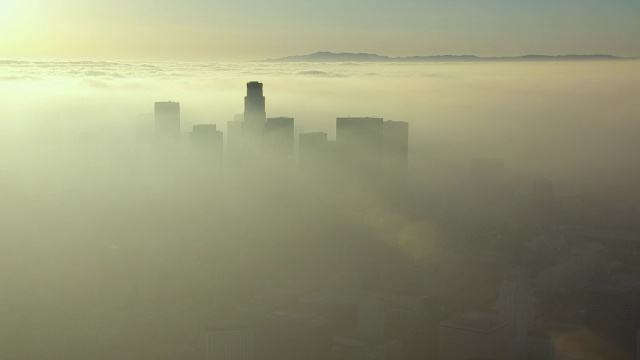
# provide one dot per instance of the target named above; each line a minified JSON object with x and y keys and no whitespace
{"x":113,"y":249}
{"x":524,"y":112}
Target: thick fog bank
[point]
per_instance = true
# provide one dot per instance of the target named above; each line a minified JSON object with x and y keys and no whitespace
{"x":109,"y":246}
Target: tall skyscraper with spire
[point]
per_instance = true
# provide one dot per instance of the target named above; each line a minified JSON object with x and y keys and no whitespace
{"x":255,"y":115}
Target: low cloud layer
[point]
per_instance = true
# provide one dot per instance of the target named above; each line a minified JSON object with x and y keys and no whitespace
{"x":569,"y":121}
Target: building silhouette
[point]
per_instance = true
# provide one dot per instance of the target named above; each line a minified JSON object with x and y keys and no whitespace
{"x":279,"y":138}
{"x":360,"y":180}
{"x":234,"y":139}
{"x":360,"y":142}
{"x":207,"y":146}
{"x":255,"y":115}
{"x":167,"y":123}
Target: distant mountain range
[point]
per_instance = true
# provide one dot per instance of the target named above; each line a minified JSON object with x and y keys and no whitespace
{"x":324,"y":56}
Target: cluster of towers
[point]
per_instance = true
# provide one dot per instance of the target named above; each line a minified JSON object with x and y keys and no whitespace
{"x":365,"y":148}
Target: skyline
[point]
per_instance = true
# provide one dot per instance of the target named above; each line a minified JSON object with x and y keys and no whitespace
{"x":434,"y":180}
{"x":172,"y":250}
{"x":456,"y":109}
{"x":243,"y":30}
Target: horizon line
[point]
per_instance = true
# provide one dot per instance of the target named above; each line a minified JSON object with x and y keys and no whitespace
{"x":275,"y":59}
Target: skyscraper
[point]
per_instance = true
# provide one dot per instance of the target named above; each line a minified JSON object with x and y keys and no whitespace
{"x":278,"y":137}
{"x":167,"y":123}
{"x":207,"y":145}
{"x":234,"y":139}
{"x":360,"y":142}
{"x":255,"y":115}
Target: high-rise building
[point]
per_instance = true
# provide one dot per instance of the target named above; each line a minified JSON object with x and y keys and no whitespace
{"x":255,"y":114}
{"x":167,"y":123}
{"x":360,"y":173}
{"x":234,"y":139}
{"x":279,"y":138}
{"x":207,"y":145}
{"x":360,"y":142}
{"x":474,"y":335}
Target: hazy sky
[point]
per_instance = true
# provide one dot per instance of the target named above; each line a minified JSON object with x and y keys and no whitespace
{"x":252,"y":29}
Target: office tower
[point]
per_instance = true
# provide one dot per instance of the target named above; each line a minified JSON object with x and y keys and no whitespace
{"x":360,"y":142}
{"x":255,"y":115}
{"x":167,"y":123}
{"x":312,"y":150}
{"x":278,"y":137}
{"x":395,"y":139}
{"x":234,"y":139}
{"x":474,"y":335}
{"x":230,"y":340}
{"x":207,"y":145}
{"x":359,"y":173}
{"x":612,"y":311}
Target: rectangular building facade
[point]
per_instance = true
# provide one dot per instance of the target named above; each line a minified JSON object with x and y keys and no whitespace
{"x":167,"y":122}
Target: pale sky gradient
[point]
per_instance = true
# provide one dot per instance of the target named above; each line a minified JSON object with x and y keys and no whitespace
{"x":252,"y":29}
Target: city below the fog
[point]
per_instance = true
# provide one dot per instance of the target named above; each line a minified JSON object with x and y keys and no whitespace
{"x":271,"y":243}
{"x":319,"y":180}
